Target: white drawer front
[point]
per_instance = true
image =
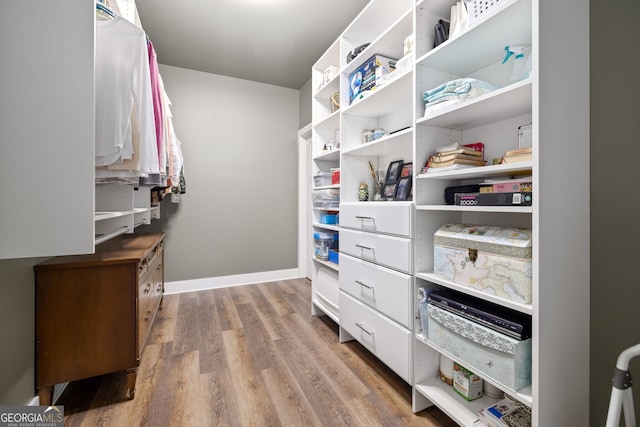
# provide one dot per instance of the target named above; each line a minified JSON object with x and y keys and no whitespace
{"x":388,"y":291}
{"x":387,"y":340}
{"x":389,"y":251}
{"x":381,"y":217}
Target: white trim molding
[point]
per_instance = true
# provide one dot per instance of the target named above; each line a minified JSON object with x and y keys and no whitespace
{"x":183,"y":286}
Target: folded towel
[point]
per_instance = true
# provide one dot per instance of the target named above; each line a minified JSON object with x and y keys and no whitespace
{"x":457,"y":89}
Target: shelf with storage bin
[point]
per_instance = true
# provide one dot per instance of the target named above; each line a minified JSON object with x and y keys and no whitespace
{"x":387,"y":145}
{"x":388,"y":44}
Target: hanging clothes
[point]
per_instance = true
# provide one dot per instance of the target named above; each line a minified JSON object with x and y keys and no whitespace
{"x":123,"y":88}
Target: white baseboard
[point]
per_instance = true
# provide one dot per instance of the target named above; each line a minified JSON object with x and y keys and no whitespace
{"x":183,"y":286}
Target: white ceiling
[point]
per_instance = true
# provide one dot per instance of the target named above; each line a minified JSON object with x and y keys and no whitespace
{"x":268,"y":41}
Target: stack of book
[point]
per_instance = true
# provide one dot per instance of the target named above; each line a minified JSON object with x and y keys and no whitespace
{"x":499,"y":192}
{"x":506,"y":413}
{"x":455,"y":157}
{"x":517,"y":155}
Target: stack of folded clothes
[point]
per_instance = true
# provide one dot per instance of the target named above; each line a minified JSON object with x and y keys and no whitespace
{"x":455,"y":91}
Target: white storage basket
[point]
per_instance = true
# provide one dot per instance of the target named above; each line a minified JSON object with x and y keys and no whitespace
{"x":479,"y":10}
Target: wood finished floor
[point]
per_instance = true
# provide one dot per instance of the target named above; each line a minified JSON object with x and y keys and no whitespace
{"x":248,"y":356}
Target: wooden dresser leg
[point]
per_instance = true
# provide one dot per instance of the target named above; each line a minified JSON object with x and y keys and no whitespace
{"x":131,"y":382}
{"x":46,"y":396}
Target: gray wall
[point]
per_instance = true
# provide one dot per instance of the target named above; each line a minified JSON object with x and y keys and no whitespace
{"x":615,"y":153}
{"x":239,"y":140}
{"x":305,"y":104}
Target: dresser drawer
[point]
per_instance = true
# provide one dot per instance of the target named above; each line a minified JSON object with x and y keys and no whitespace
{"x":389,"y":251}
{"x":387,"y":340}
{"x":382,"y":217}
{"x":385,"y":290}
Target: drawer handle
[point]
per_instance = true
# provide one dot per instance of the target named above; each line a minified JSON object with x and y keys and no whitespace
{"x":363,"y":329}
{"x":362,"y":284}
{"x":147,"y":288}
{"x":364,"y":247}
{"x":363,"y":218}
{"x":148,"y":317}
{"x":143,"y":266}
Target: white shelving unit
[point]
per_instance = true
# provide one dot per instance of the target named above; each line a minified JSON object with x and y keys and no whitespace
{"x":555,"y":100}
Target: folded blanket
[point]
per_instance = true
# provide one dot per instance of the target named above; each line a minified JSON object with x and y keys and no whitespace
{"x":457,"y":89}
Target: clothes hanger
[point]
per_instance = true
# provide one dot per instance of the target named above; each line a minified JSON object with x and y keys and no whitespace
{"x":104,"y":11}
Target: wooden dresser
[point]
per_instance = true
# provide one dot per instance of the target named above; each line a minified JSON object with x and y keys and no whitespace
{"x":94,"y":312}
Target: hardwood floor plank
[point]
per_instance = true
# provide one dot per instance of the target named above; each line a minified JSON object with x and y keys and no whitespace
{"x":226,"y":309}
{"x":290,"y":402}
{"x":209,"y":332}
{"x":261,"y":350}
{"x":184,"y":339}
{"x":251,"y":395}
{"x":218,"y":401}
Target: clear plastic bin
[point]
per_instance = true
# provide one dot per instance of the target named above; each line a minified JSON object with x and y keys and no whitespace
{"x":323,"y":241}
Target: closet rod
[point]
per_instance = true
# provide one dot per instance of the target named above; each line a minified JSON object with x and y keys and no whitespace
{"x":111,"y":235}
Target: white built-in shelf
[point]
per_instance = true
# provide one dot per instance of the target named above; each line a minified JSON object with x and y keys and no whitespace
{"x":496,"y":209}
{"x":100,"y":216}
{"x":329,"y":88}
{"x":451,"y":403}
{"x":514,"y":305}
{"x":330,"y":155}
{"x":388,"y":98}
{"x":509,"y":101}
{"x":326,"y":187}
{"x":387,"y":44}
{"x":524,"y":395}
{"x":332,"y":227}
{"x":331,"y":122}
{"x":484,"y":172}
{"x":481,"y":45}
{"x":384,"y":146}
{"x":331,"y":265}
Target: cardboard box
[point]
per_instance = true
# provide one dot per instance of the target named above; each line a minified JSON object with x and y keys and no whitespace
{"x":496,"y":260}
{"x":466,"y":383}
{"x":365,"y":76}
{"x":482,"y":350}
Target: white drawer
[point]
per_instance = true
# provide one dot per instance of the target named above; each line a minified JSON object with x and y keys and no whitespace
{"x":388,"y":341}
{"x":388,"y":291}
{"x":379,"y":217}
{"x":389,"y":251}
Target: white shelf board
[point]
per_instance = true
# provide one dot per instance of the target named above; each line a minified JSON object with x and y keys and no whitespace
{"x":509,"y":101}
{"x":326,"y":187}
{"x":329,"y":88}
{"x":99,"y":216}
{"x":481,"y":45}
{"x":331,"y":122}
{"x":451,"y":403}
{"x":523,"y":395}
{"x":331,"y":155}
{"x":386,"y":99}
{"x":456,"y":208}
{"x":326,"y":226}
{"x":331,"y":265}
{"x":491,"y":171}
{"x":383,"y":146}
{"x":514,"y":305}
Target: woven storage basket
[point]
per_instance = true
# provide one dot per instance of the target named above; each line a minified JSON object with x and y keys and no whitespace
{"x":479,"y":10}
{"x":335,"y":102}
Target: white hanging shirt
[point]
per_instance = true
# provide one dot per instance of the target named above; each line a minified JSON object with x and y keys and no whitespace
{"x":123,"y":87}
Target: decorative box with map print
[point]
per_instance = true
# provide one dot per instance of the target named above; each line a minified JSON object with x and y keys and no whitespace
{"x":496,"y":260}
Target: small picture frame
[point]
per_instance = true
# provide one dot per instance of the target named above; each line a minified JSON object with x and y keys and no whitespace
{"x":393,"y":172}
{"x":389,"y":191}
{"x":407,"y":169}
{"x":403,"y":188}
